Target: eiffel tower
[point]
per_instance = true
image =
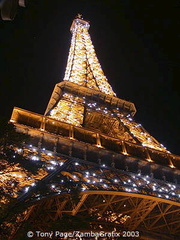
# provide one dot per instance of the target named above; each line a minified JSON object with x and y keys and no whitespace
{"x":96,"y":169}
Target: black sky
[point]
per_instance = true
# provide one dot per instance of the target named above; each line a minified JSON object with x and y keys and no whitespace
{"x":137,"y":43}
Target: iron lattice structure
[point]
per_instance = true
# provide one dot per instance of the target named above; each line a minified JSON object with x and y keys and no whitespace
{"x":89,"y":165}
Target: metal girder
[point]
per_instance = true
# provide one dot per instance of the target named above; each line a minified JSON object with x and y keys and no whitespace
{"x":144,"y":214}
{"x":140,"y":213}
{"x":160,"y":216}
{"x":81,"y":188}
{"x":87,"y":176}
{"x":80,"y":203}
{"x":166,"y":218}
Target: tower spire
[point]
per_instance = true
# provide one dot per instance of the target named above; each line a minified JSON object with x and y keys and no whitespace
{"x":83,"y":67}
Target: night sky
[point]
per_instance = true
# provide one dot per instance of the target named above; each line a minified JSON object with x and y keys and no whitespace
{"x":137,"y":44}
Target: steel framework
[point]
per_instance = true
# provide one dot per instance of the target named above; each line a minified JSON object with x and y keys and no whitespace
{"x":89,"y":166}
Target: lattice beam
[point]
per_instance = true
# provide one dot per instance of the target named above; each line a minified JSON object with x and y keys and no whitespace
{"x":140,"y":213}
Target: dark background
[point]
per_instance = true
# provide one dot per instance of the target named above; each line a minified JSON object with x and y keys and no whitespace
{"x":137,"y":44}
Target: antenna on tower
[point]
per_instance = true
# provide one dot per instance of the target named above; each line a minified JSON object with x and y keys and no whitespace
{"x":79,"y":15}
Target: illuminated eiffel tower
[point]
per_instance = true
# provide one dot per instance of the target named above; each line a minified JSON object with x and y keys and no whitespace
{"x":96,"y":168}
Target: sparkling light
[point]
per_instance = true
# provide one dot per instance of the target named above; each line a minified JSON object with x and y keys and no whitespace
{"x":83,"y":68}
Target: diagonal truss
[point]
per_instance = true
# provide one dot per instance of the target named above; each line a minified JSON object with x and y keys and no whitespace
{"x":88,"y":161}
{"x":107,"y":195}
{"x":83,"y":67}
